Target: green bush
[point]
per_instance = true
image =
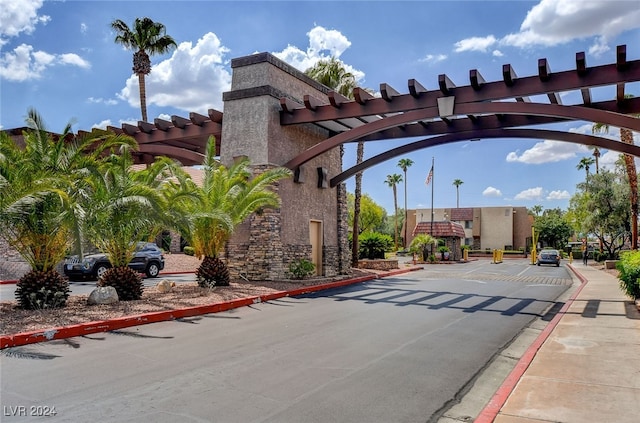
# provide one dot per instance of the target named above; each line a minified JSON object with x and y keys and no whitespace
{"x":373,"y":245}
{"x":190,"y":251}
{"x":629,"y":267}
{"x":301,"y":269}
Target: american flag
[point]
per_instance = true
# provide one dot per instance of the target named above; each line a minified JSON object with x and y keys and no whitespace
{"x":429,"y":176}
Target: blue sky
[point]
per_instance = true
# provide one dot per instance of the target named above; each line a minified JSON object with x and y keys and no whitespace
{"x":59,"y":57}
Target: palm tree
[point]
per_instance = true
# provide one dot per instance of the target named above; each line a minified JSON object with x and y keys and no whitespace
{"x":585,"y":163}
{"x":333,"y":74}
{"x":421,"y":243}
{"x":626,"y":136}
{"x":457,"y":183}
{"x":42,"y":184}
{"x":146,"y":37}
{"x":537,"y":209}
{"x":227,"y":197}
{"x":404,"y":164}
{"x":393,"y":181}
{"x":596,"y":156}
{"x":124,"y":208}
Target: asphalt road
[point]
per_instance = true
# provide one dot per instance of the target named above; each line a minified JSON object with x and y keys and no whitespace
{"x":400,"y":349}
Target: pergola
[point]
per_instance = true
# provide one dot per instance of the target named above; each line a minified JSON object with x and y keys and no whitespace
{"x":182,"y":139}
{"x":450,"y":113}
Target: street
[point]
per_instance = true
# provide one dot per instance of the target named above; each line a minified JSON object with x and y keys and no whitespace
{"x":399,"y":349}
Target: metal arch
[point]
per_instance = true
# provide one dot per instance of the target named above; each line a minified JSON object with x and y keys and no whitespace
{"x":489,"y":133}
{"x":554,"y":110}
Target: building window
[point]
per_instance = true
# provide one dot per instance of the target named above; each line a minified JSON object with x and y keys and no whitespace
{"x":468,"y":224}
{"x":468,"y":241}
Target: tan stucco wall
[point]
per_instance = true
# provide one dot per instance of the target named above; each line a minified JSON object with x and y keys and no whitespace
{"x":252,"y":128}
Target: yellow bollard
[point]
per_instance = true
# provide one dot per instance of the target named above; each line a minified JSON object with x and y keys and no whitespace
{"x":570,"y":256}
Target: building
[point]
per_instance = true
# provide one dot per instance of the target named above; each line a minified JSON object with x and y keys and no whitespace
{"x":506,"y":228}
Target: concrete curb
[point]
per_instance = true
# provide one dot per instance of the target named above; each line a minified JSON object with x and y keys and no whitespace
{"x":491,"y":410}
{"x":15,"y":340}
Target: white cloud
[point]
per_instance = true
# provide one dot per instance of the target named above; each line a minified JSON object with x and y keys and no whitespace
{"x":475,"y":44}
{"x":497,"y":53}
{"x":548,"y":151}
{"x":192,"y":79}
{"x":559,"y":195}
{"x":492,"y":192}
{"x":74,"y":59}
{"x":553,"y":22}
{"x":19,"y":16}
{"x":83,"y":28}
{"x":434,"y":58}
{"x":102,"y":125}
{"x":23,"y":63}
{"x":100,"y":100}
{"x":323,"y":44}
{"x":536,"y":193}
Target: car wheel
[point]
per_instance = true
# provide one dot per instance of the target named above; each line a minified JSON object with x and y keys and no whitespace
{"x":152,"y":270}
{"x":100,"y":270}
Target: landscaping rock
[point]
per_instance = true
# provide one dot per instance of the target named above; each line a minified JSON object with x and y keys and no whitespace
{"x":165,"y":286}
{"x":103,"y":295}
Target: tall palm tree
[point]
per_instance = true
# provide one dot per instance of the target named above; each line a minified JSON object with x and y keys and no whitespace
{"x":146,"y":37}
{"x":457,"y":183}
{"x":585,"y":163}
{"x":405,"y":164}
{"x":228,"y":196}
{"x":596,"y":155}
{"x":626,"y":136}
{"x":332,"y":73}
{"x":392,"y":181}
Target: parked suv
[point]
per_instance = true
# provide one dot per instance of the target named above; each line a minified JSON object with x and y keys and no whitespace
{"x":148,"y":259}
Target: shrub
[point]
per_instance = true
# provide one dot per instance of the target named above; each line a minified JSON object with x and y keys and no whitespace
{"x":629,"y":267}
{"x":127,"y":282}
{"x":190,"y":251}
{"x":301,"y":268}
{"x":38,"y":290}
{"x":373,"y":245}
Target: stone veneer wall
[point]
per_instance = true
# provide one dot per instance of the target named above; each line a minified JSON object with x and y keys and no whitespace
{"x":343,"y":259}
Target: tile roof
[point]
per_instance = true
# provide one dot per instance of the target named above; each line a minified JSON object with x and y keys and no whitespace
{"x":458,"y":215}
{"x":441,"y":229}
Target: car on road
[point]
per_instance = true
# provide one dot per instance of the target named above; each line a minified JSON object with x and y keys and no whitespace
{"x":548,"y":256}
{"x":148,"y":259}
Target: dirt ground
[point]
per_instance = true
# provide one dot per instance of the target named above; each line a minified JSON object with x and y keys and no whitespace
{"x":15,"y":320}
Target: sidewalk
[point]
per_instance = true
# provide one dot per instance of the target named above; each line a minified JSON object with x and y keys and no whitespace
{"x":585,"y":367}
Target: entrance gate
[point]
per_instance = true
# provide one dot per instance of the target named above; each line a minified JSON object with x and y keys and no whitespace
{"x":479,"y":110}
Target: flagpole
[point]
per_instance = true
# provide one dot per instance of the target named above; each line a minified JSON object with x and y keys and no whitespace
{"x":432,"y":184}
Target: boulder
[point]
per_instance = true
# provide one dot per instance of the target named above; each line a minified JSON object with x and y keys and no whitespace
{"x":103,"y":295}
{"x":165,"y":286}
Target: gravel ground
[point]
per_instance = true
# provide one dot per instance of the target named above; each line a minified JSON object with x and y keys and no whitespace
{"x":15,"y":320}
{"x":180,"y":263}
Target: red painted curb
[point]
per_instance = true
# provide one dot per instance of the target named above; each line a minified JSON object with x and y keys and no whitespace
{"x":8,"y":341}
{"x":9,"y":282}
{"x":491,"y":410}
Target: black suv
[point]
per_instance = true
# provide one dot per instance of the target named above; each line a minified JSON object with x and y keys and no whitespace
{"x":148,"y":259}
